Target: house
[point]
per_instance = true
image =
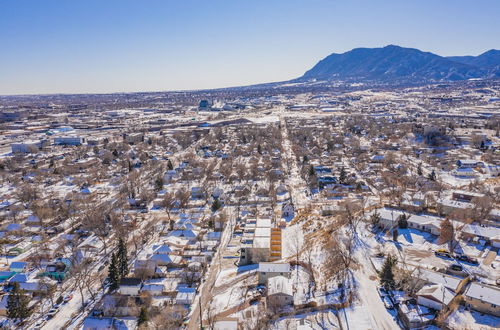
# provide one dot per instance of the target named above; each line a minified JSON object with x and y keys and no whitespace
{"x":226,"y":324}
{"x":32,"y":220}
{"x":14,"y":227}
{"x":69,"y":140}
{"x":268,"y":270}
{"x":121,"y":305}
{"x":98,"y":323}
{"x":153,"y":288}
{"x":490,"y":235}
{"x":185,"y":295}
{"x":144,"y":267}
{"x":130,"y":286}
{"x":134,"y":138}
{"x":377,"y":158}
{"x":389,"y":219}
{"x":26,"y":147}
{"x":465,"y":196}
{"x":18,"y":267}
{"x":197,"y":193}
{"x":448,"y":206}
{"x":431,"y":277}
{"x":19,"y":248}
{"x":162,"y":249}
{"x":434,"y":296}
{"x":169,"y":176}
{"x":279,"y":292}
{"x":161,"y":259}
{"x":256,"y":241}
{"x":465,"y":173}
{"x":469,"y":163}
{"x":5,"y":275}
{"x":482,"y":298}
{"x":58,"y":269}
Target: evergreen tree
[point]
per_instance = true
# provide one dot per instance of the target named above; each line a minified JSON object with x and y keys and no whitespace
{"x":432,"y":176}
{"x":342,"y":176}
{"x":312,"y":171}
{"x":159,"y":183}
{"x":403,"y":221}
{"x":387,"y":274}
{"x":215,"y":205}
{"x":114,"y":273}
{"x":259,"y":149}
{"x":419,"y":169}
{"x":122,"y":258}
{"x":17,"y":304}
{"x":143,"y":316}
{"x":169,"y":165}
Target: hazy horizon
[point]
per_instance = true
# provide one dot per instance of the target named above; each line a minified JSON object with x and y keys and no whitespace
{"x":81,"y":47}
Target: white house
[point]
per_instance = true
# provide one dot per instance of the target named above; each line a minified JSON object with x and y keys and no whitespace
{"x":26,"y":147}
{"x":483,"y":298}
{"x":268,"y":270}
{"x":130,"y":286}
{"x":279,"y":292}
{"x":69,"y":140}
{"x":434,"y":296}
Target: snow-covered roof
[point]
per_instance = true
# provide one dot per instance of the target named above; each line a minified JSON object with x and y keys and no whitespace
{"x":161,"y":257}
{"x":453,"y":203}
{"x":274,"y":267}
{"x":279,"y":285}
{"x":487,"y":232}
{"x":263,"y":223}
{"x":484,"y":293}
{"x":437,"y":292}
{"x":161,"y":249}
{"x":447,"y":281}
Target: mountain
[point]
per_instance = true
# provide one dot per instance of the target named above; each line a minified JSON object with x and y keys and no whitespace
{"x":489,"y":59}
{"x":393,"y":63}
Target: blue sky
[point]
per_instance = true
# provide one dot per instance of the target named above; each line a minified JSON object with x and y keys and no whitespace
{"x":95,"y":46}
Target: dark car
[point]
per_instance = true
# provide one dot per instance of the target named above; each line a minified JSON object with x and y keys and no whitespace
{"x":442,"y":254}
{"x":463,"y":257}
{"x":456,"y":267}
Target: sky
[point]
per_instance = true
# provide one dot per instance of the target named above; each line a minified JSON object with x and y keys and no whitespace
{"x":101,"y":46}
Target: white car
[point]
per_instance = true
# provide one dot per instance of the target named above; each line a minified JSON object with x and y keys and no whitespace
{"x":387,"y":303}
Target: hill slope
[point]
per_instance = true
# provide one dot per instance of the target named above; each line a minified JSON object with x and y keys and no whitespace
{"x":397,"y":63}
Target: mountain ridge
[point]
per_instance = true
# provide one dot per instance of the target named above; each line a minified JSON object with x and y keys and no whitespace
{"x":393,"y":62}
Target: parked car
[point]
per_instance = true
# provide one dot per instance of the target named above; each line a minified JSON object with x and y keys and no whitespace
{"x":456,"y":267}
{"x":441,"y":253}
{"x":388,"y":303}
{"x":465,"y":258}
{"x":39,"y":324}
{"x":67,"y":298}
{"x":382,"y":292}
{"x":50,"y":314}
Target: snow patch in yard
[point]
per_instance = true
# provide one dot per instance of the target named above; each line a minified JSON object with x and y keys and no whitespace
{"x":464,"y":319}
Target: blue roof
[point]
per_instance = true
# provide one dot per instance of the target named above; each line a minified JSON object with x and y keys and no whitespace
{"x":18,"y":264}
